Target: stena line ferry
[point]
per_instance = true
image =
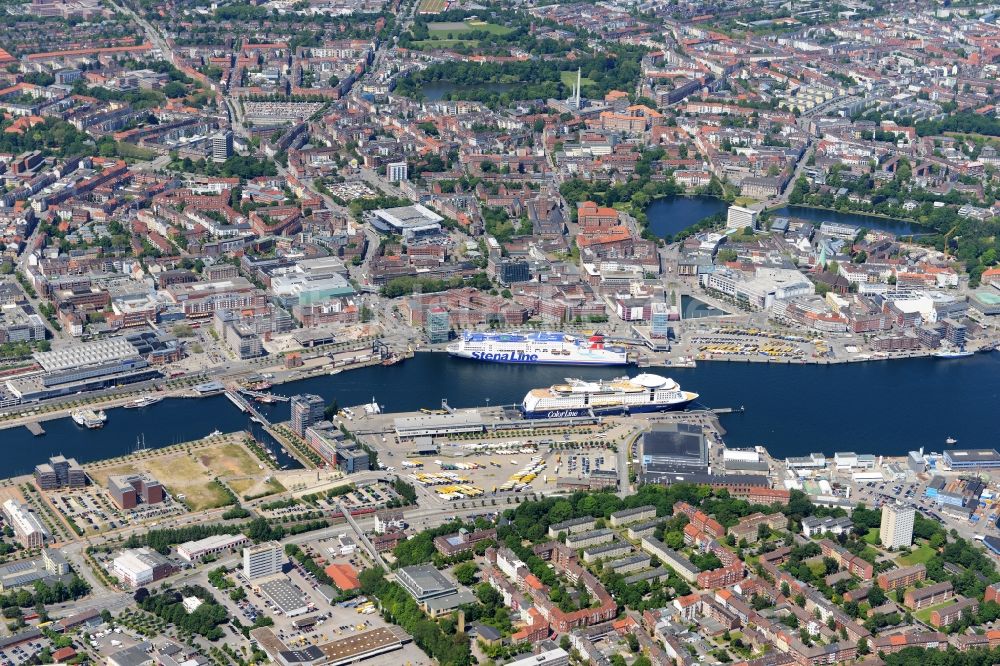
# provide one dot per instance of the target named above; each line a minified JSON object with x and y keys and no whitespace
{"x":642,"y":393}
{"x":538,"y":347}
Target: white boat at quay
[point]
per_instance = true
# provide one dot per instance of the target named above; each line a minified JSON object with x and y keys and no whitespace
{"x":88,"y":418}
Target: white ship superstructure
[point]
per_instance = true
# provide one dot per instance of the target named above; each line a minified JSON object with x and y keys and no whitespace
{"x":643,"y":393}
{"x":554,"y":348}
{"x":88,"y":418}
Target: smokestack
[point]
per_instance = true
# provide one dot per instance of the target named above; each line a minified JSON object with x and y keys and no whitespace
{"x":578,"y":80}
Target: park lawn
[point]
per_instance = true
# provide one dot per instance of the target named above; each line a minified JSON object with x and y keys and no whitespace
{"x":920,"y":555}
{"x":745,"y":201}
{"x":444,"y":43}
{"x":568,"y":79}
{"x":442,"y":30}
{"x":983,"y":137}
{"x":491,"y":28}
{"x":872,"y":536}
{"x":924,"y":614}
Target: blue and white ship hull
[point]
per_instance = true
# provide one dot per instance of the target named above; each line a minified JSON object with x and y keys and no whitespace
{"x":538,"y":348}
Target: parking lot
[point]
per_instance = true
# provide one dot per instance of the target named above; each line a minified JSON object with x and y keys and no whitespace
{"x":879,"y":493}
{"x":500,"y":464}
{"x":93,"y":510}
{"x":23,"y":653}
{"x":324,"y":622}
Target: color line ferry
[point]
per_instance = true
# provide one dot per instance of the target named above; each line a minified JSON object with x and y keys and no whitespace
{"x":642,"y":393}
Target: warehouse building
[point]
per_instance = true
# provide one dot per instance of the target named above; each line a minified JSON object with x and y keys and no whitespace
{"x":424,"y":582}
{"x":408,"y":221}
{"x":672,"y":449}
{"x":140,"y":567}
{"x":409,"y":427}
{"x":353,"y":649}
{"x":194,"y":551}
{"x":50,"y":567}
{"x":972,"y":458}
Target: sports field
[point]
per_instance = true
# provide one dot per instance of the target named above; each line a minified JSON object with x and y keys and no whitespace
{"x":441,"y":30}
{"x":432,"y":6}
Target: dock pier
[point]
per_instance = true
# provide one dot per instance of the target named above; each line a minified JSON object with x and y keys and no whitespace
{"x":35,"y":428}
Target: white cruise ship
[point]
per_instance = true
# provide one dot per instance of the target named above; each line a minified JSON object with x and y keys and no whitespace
{"x":642,"y":393}
{"x":553,"y":348}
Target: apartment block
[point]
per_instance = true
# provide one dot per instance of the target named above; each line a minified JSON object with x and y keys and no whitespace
{"x":901,"y":578}
{"x":929,"y":595}
{"x":942,"y":617}
{"x":626,"y":516}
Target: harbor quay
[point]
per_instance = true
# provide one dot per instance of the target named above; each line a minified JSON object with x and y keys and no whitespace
{"x":369,"y":479}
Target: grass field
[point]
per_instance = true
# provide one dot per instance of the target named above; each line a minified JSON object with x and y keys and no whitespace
{"x":431,"y":6}
{"x":229,"y":460}
{"x":919,"y":555}
{"x":442,"y":30}
{"x":446,"y":26}
{"x":253,"y":487}
{"x":444,"y":43}
{"x":193,"y":474}
{"x":184,"y":476}
{"x":924,"y":615}
{"x":872,"y":536}
{"x":569,"y":79}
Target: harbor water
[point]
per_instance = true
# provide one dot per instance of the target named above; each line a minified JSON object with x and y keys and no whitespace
{"x":882,"y":407}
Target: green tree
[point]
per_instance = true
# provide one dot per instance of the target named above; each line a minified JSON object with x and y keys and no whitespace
{"x":465,"y":573}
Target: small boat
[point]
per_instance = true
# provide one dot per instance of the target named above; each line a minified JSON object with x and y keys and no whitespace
{"x":214,"y":433}
{"x":952,"y":353}
{"x":88,"y":418}
{"x":144,"y":401}
{"x":951,"y":440}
